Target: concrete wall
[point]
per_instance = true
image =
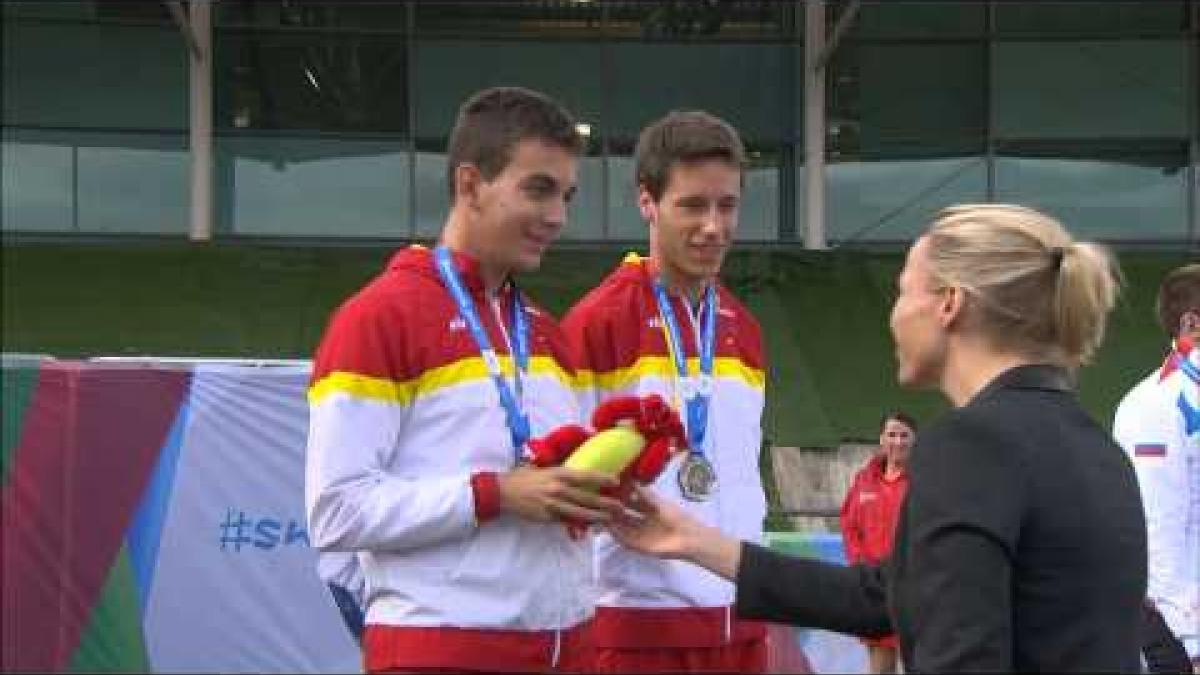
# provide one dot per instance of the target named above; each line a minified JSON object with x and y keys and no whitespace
{"x":816,"y":479}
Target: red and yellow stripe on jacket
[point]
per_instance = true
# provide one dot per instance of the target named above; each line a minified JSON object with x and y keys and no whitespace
{"x":617,"y":336}
{"x":402,"y":415}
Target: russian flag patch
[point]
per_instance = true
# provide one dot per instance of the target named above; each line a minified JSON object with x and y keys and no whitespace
{"x":1150,"y":450}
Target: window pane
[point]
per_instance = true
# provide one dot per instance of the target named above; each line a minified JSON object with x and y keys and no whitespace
{"x":653,"y":79}
{"x":342,"y":82}
{"x":327,"y":187}
{"x":625,"y":221}
{"x":134,"y":183}
{"x":47,"y":66}
{"x":758,"y":219}
{"x":1126,"y":193}
{"x":926,"y":20}
{"x":895,"y":200}
{"x":1126,"y":89}
{"x":36,"y":188}
{"x":1128,"y":17}
{"x":446,"y":72}
{"x":900,"y":101}
{"x":433,"y":193}
{"x":585,"y":217}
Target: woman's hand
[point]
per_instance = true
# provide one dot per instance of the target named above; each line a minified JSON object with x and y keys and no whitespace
{"x":652,"y":525}
{"x":659,"y":528}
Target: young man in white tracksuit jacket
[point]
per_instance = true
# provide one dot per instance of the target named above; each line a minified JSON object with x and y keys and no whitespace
{"x":426,"y":387}
{"x":1158,"y":424}
{"x":665,"y":325}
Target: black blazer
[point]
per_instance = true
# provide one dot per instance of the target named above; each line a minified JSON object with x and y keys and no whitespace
{"x":1021,"y":545}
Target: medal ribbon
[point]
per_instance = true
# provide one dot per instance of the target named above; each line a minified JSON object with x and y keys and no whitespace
{"x":1185,"y":364}
{"x":696,"y":400}
{"x":1191,"y":414}
{"x":518,"y":421}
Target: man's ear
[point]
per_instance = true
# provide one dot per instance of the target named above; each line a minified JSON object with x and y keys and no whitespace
{"x":647,"y":206}
{"x":1189,"y":324}
{"x":467,"y":181}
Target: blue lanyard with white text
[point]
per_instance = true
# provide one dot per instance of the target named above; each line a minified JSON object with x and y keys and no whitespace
{"x":697,"y":403}
{"x":518,"y":422}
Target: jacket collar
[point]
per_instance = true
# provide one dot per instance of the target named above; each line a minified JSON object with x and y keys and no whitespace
{"x":639,"y":269}
{"x":1035,"y":376}
{"x":1181,"y":349}
{"x":877,"y":467}
{"x":634,"y":267}
{"x":420,"y":259}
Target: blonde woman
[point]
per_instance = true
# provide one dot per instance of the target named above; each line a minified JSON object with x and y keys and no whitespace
{"x":1021,"y":545}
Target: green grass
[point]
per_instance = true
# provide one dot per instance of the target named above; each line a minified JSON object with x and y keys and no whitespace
{"x":830,"y":372}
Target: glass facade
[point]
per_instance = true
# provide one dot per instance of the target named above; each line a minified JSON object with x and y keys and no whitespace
{"x":331,"y":118}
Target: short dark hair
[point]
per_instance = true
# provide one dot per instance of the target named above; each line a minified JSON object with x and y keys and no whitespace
{"x":493,"y":121}
{"x":1178,"y":294}
{"x":900,"y":416}
{"x":683,"y":136}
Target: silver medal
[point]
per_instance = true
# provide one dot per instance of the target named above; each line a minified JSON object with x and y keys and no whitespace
{"x":697,"y":479}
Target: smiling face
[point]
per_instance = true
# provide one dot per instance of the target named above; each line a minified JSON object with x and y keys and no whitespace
{"x":918,"y":332}
{"x":523,"y":209}
{"x":895,"y":440}
{"x":692,"y":225}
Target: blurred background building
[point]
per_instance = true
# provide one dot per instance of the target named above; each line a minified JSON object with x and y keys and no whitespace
{"x":322,"y":120}
{"x":303,"y":141}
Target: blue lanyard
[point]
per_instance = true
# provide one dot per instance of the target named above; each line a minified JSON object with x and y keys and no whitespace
{"x":518,"y":422}
{"x":696,"y":399}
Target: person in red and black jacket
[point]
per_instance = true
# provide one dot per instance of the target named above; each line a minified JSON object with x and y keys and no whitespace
{"x":870,"y":511}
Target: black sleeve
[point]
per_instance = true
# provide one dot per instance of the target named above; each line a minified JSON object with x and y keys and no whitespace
{"x":772,"y":586}
{"x":963,"y":515}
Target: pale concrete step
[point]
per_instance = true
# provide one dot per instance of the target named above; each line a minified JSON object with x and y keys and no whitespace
{"x":815,"y":480}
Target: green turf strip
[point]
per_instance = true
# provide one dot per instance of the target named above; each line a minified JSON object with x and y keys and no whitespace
{"x":824,"y":316}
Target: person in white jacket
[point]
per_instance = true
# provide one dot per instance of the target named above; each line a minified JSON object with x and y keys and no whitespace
{"x":1158,"y":424}
{"x":427,"y":387}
